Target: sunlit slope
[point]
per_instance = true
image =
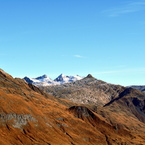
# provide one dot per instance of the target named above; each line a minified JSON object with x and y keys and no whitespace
{"x":28,"y":116}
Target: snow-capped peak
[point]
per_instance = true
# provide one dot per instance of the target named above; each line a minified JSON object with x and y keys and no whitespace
{"x":66,"y":79}
{"x":44,"y":80}
{"x":62,"y":78}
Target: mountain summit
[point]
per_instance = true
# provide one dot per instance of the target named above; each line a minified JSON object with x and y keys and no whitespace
{"x":62,"y":78}
{"x":89,"y":76}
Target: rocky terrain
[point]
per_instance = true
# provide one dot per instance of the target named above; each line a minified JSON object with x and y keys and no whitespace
{"x":123,"y":106}
{"x":88,"y":90}
{"x":30,"y":116}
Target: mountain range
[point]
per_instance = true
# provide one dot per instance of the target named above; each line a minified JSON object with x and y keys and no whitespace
{"x":44,"y":80}
{"x":85,"y":112}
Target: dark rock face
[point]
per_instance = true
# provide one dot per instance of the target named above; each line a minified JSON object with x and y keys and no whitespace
{"x":28,"y":80}
{"x":89,"y":76}
{"x":137,"y":102}
{"x":139,"y":108}
{"x":42,"y":77}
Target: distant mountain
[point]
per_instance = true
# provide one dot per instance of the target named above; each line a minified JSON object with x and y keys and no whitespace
{"x":44,"y":80}
{"x":141,"y":88}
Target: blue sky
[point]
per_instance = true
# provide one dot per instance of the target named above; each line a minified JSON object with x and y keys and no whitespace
{"x":103,"y":38}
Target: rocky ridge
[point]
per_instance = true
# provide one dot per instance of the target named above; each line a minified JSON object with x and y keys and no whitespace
{"x":88,"y":90}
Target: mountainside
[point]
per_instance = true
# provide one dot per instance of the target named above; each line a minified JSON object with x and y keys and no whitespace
{"x":104,"y":98}
{"x":46,"y":81}
{"x":88,"y":90}
{"x":29,"y":116}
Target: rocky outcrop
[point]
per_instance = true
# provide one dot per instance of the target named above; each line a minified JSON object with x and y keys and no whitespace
{"x":17,"y":120}
{"x":82,"y":112}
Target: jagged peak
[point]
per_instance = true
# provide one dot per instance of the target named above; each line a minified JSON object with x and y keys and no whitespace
{"x":62,"y":75}
{"x":89,"y":76}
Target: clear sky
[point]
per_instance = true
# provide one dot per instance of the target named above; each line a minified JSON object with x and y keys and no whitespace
{"x":105,"y":38}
